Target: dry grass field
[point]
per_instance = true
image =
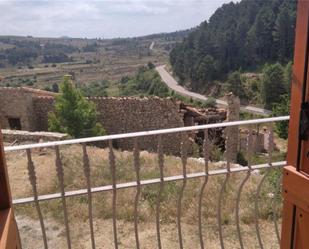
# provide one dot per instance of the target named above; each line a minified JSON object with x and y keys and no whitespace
{"x":100,"y":175}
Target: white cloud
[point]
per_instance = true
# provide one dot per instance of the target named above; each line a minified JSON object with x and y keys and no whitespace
{"x":97,"y":18}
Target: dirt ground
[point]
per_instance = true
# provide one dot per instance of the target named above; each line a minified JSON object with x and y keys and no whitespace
{"x":31,"y":235}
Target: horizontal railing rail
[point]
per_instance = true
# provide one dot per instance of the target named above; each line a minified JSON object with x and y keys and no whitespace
{"x":146,"y":133}
{"x":227,"y":172}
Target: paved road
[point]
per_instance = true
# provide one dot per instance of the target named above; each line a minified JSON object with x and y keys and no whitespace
{"x":173,"y":84}
{"x":152,"y":45}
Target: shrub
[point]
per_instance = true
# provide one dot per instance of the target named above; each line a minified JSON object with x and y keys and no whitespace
{"x":241,"y":159}
{"x":209,"y":103}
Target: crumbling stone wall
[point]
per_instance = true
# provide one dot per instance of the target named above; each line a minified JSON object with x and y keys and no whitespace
{"x":26,"y":136}
{"x":232,"y":133}
{"x":124,"y":115}
{"x":42,"y":106}
{"x":18,"y":103}
{"x":117,"y":115}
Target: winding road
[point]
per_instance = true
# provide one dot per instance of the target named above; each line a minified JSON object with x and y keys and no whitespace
{"x":168,"y":79}
{"x":152,"y":45}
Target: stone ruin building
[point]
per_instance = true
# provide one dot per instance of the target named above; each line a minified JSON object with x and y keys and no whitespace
{"x":27,"y":109}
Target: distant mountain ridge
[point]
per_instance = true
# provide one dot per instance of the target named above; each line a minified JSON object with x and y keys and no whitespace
{"x":242,"y":35}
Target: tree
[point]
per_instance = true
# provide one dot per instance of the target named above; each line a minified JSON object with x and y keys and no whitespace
{"x":146,"y":82}
{"x":206,"y":70}
{"x":55,"y":88}
{"x":288,"y":73}
{"x":279,"y":109}
{"x":234,"y":84}
{"x":284,"y":32}
{"x":262,"y":34}
{"x":74,"y":114}
{"x":244,"y":35}
{"x":97,"y":89}
{"x":272,"y":84}
{"x":150,"y":65}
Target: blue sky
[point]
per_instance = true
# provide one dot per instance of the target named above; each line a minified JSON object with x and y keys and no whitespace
{"x":105,"y":18}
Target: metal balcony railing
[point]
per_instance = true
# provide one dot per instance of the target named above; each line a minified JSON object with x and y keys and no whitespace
{"x":205,"y":175}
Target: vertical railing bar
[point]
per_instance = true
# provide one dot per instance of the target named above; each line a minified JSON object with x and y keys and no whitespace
{"x":136,"y":155}
{"x":249,"y":154}
{"x":270,"y":153}
{"x":274,"y":209}
{"x":88,"y":182}
{"x":60,"y":174}
{"x":184,"y":183}
{"x":228,"y":165}
{"x":256,"y":208}
{"x":112,"y":165}
{"x":161,"y":166}
{"x":206,"y":160}
{"x":33,"y":181}
{"x":271,"y":144}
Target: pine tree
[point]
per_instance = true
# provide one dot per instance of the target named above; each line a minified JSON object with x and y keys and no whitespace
{"x":234,"y":84}
{"x":273,"y":85}
{"x":284,"y":34}
{"x":74,"y":114}
{"x":206,"y":71}
{"x":244,"y":35}
{"x":282,"y":108}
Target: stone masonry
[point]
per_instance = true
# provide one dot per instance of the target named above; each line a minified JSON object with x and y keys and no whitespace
{"x":117,"y":115}
{"x":232,"y":133}
{"x":26,"y":136}
{"x":17,"y":103}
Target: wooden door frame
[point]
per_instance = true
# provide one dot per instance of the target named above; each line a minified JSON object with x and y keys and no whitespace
{"x":9,"y":236}
{"x":296,"y":174}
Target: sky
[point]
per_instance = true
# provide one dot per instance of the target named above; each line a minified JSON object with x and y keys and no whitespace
{"x":102,"y":18}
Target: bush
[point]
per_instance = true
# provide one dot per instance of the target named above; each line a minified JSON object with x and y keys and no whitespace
{"x":55,"y":88}
{"x":279,"y":109}
{"x":151,"y":65}
{"x":96,"y":89}
{"x":241,"y":159}
{"x":216,"y":154}
{"x":209,"y":103}
{"x":146,"y":81}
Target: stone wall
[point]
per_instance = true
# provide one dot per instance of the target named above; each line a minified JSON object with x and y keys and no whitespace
{"x":42,"y":106}
{"x":18,"y":103}
{"x":258,"y":139}
{"x":124,"y":115}
{"x":35,"y":137}
{"x":117,"y":115}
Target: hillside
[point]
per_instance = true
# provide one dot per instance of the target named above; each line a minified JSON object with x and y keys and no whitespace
{"x":42,"y":62}
{"x":243,"y":35}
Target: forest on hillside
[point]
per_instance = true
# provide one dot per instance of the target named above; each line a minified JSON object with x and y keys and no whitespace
{"x":240,"y":36}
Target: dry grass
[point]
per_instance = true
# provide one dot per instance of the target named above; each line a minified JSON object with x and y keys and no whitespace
{"x":100,"y":175}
